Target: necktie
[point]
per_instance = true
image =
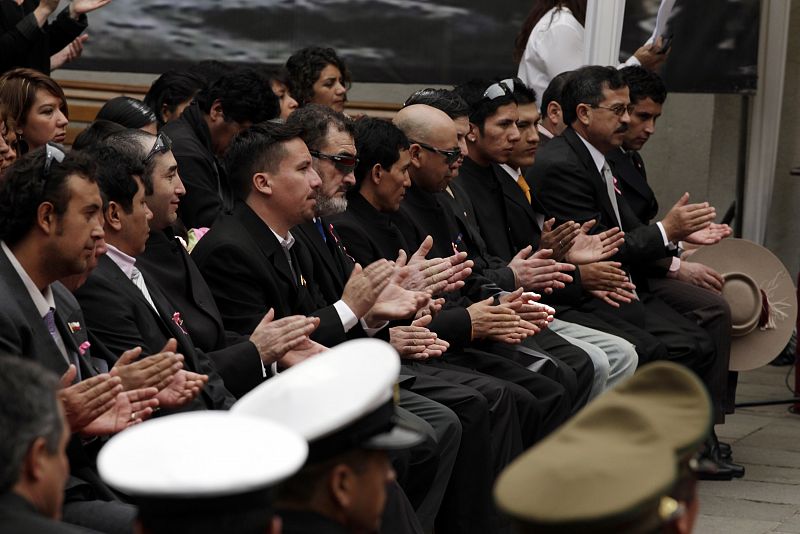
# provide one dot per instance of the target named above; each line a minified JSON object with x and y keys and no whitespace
{"x":50,"y":322}
{"x":523,"y":184}
{"x":608,"y":178}
{"x":320,"y":229}
{"x":138,"y":281}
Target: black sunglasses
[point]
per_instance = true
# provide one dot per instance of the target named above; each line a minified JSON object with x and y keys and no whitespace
{"x":342,"y":162}
{"x":501,"y":88}
{"x":450,"y":156}
{"x":162,"y":144}
{"x":52,"y":152}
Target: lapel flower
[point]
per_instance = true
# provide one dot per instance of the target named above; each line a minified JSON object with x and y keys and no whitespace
{"x":617,"y":188}
{"x":74,"y":326}
{"x":176,"y":318}
{"x":84,"y":347}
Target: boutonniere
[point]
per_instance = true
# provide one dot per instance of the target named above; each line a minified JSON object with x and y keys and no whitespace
{"x":617,"y":188}
{"x":83,"y":347}
{"x":74,"y":326}
{"x":302,"y":280}
{"x":176,"y":318}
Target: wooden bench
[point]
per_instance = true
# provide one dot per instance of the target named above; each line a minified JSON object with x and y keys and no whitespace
{"x":86,"y":98}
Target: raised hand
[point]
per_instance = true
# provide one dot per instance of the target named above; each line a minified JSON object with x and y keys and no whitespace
{"x":559,"y":240}
{"x":79,"y":7}
{"x":365,"y":286}
{"x":591,"y":248}
{"x":156,"y":370}
{"x":69,"y":53}
{"x":432,"y":308}
{"x":274,"y":338}
{"x":302,"y":352}
{"x":605,"y":276}
{"x":88,"y":399}
{"x":711,"y":235}
{"x":130,"y":408}
{"x":395,"y":303}
{"x":184,"y":388}
{"x":416,"y":342}
{"x":539,"y":272}
{"x":527,"y":307}
{"x":490,"y":320}
{"x":684,"y":219}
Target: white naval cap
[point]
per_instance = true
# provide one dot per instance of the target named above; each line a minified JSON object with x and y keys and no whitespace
{"x":338,"y":400}
{"x":200,"y":456}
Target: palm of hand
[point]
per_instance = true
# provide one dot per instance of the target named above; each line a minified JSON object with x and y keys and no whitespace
{"x":177,"y":393}
{"x":113,"y":420}
{"x":585,"y":249}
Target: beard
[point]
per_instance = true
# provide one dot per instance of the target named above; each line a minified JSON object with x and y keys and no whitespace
{"x":327,"y":206}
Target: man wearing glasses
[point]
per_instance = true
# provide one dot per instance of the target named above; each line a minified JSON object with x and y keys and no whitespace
{"x":574,"y":182}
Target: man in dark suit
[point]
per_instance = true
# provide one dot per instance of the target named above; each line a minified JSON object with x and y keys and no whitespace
{"x":241,"y":360}
{"x":32,"y":421}
{"x":574,"y":182}
{"x":124,"y":308}
{"x":48,"y":233}
{"x":202,"y":134}
{"x":552,"y":123}
{"x":691,"y":288}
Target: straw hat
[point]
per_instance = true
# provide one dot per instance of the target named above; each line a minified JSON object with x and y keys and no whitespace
{"x":762,"y":298}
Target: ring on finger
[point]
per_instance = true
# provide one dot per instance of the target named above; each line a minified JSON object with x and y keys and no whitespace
{"x":133,"y":416}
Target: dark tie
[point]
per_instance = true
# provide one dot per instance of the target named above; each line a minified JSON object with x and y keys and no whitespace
{"x":50,"y":322}
{"x":320,"y":229}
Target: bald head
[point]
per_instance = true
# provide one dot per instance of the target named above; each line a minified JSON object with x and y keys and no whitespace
{"x":425,"y":123}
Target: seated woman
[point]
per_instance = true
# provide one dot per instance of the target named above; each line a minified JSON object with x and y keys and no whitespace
{"x":170,"y":93}
{"x":319,"y":76}
{"x":36,"y":105}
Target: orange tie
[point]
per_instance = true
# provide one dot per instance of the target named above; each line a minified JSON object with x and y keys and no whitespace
{"x":523,"y":184}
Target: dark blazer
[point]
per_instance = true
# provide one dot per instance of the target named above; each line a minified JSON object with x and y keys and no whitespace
{"x":566,"y":181}
{"x":17,"y":515}
{"x":119,"y":315}
{"x":207,"y":190}
{"x":305,"y":522}
{"x":507,"y":221}
{"x":248,"y":274}
{"x":236,"y":358}
{"x":23,"y":333}
{"x":628,"y":168}
{"x":24,"y":44}
{"x":332,"y":264}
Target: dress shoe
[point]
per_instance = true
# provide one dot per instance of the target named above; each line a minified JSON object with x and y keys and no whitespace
{"x":714,"y":455}
{"x":708,"y":470}
{"x":725,"y":451}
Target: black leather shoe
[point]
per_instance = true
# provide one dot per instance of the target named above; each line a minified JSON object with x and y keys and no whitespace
{"x":714,"y":454}
{"x":725,"y":451}
{"x":708,"y":470}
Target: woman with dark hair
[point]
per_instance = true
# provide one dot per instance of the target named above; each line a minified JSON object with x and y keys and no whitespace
{"x":8,"y":142}
{"x":551,"y":42}
{"x":171,"y":93}
{"x":319,"y":76}
{"x":281,"y":84}
{"x":36,"y":105}
{"x":130,"y":113}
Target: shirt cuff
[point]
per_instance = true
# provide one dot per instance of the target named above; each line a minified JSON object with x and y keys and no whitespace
{"x":663,"y":233}
{"x":273,"y":367}
{"x":675,"y":265}
{"x":632,"y":61}
{"x":346,"y":315}
{"x":372,"y":331}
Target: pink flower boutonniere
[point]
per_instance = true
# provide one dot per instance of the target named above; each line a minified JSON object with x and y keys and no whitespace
{"x":84,"y":347}
{"x":176,"y":318}
{"x":74,"y":326}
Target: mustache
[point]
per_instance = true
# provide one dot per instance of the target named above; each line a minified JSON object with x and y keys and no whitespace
{"x":622,"y":128}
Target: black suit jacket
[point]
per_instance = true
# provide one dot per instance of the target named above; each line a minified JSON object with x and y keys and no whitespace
{"x":24,"y":44}
{"x":332,"y":264}
{"x":207,"y":189}
{"x":120,"y":316}
{"x":566,"y":181}
{"x":167,"y":262}
{"x":248,"y":273}
{"x":629,"y":170}
{"x":17,"y":515}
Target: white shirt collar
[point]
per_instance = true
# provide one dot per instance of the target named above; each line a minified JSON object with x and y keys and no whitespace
{"x":124,"y":262}
{"x":42,"y":301}
{"x":287,"y":243}
{"x":597,"y":156}
{"x":544,"y":131}
{"x":512,"y":172}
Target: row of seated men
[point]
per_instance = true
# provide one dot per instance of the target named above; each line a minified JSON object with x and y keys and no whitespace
{"x":420,"y":231}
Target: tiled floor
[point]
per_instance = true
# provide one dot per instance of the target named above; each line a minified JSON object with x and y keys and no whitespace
{"x":767,"y":441}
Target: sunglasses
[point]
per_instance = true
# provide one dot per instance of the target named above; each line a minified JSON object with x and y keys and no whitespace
{"x":162,"y":144}
{"x":342,"y":162}
{"x":450,"y":156}
{"x":52,"y":152}
{"x":501,"y":88}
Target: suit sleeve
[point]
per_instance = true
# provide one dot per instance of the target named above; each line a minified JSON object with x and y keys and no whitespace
{"x":64,"y":30}
{"x":239,"y":364}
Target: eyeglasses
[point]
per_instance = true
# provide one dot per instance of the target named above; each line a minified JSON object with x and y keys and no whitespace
{"x":450,"y":156}
{"x":343,"y":162}
{"x":52,"y":152}
{"x":501,"y":88}
{"x":618,"y":109}
{"x":162,"y":144}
